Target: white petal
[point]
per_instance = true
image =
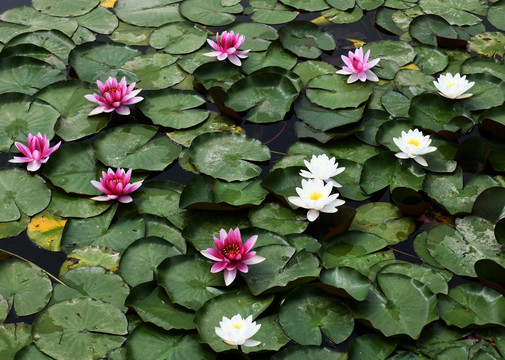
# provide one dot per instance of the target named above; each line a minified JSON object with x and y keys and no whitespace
{"x":421,"y":161}
{"x":312,"y":215}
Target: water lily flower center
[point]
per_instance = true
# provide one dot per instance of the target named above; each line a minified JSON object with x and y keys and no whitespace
{"x":237,"y":326}
{"x":231,"y":249}
{"x":414,"y":142}
{"x":316,"y":195}
{"x":110,"y":91}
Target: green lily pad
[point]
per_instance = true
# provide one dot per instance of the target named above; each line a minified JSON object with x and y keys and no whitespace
{"x":36,"y":52}
{"x":305,"y":39}
{"x":448,"y":190}
{"x":308,"y":312}
{"x":483,"y":65}
{"x":15,"y":227}
{"x":414,"y":82}
{"x":384,"y":220}
{"x":472,"y":305}
{"x":430,"y":60}
{"x":149,"y":342}
{"x":455,"y":12}
{"x":99,"y":20}
{"x":496,"y":14}
{"x":153,"y":306}
{"x":275,"y":55}
{"x":91,"y":256}
{"x":459,"y":249}
{"x":396,"y":104}
{"x":72,"y":168}
{"x":131,"y":35}
{"x":174,"y":108}
{"x":135,"y":146}
{"x":310,"y":69}
{"x":487,"y":43}
{"x":426,"y":28}
{"x":271,"y":336}
{"x":425,"y":274}
{"x":372,"y":346}
{"x":23,"y":115}
{"x":178,"y":38}
{"x":277,"y":218}
{"x":54,"y":41}
{"x":79,"y":329}
{"x":488,"y":92}
{"x":160,"y":227}
{"x":21,"y":192}
{"x":14,"y":337}
{"x":333,"y":91}
{"x":25,"y":286}
{"x":223,"y":155}
{"x":343,"y":17}
{"x":398,"y":304}
{"x":309,"y":352}
{"x":161,"y":198}
{"x":490,"y":204}
{"x":99,"y":231}
{"x":400,"y":52}
{"x":140,"y":260}
{"x":257,"y":36}
{"x":73,"y":8}
{"x":148,"y":13}
{"x":270,"y":12}
{"x":30,"y":352}
{"x":210,"y":314}
{"x":217,"y":73}
{"x":350,"y":280}
{"x":99,"y":61}
{"x":384,"y":21}
{"x":156,"y":71}
{"x":26,"y":75}
{"x":385,"y":169}
{"x":73,"y":206}
{"x":92,"y":282}
{"x":259,"y":92}
{"x":283,"y":267}
{"x":356,"y":250}
{"x":307,"y":5}
{"x":188,"y":281}
{"x":209,"y":12}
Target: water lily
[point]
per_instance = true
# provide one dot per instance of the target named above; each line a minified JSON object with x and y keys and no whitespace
{"x":412,"y":145}
{"x":453,"y":87}
{"x":227,"y":46}
{"x":358,"y":67}
{"x":315,"y":196}
{"x":231,"y":254}
{"x":321,"y":167}
{"x":115,"y":96}
{"x":116,"y":185}
{"x":238,"y":331}
{"x":36,"y":153}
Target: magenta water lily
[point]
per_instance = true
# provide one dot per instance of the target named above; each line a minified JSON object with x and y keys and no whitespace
{"x":231,"y":254}
{"x":227,"y":46}
{"x":116,"y":186}
{"x":36,"y":153}
{"x":358,"y":67}
{"x":115,"y":97}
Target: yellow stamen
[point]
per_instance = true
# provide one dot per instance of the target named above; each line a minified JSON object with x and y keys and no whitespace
{"x":316,"y":195}
{"x":452,"y":84}
{"x":237,"y":326}
{"x":414,"y":142}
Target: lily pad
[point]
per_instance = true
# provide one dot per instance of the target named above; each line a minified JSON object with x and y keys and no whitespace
{"x":209,"y":12}
{"x":188,"y":281}
{"x":135,"y":146}
{"x":25,"y":286}
{"x":13,"y":338}
{"x":23,"y":115}
{"x":307,"y":5}
{"x":308,"y":312}
{"x":309,"y":352}
{"x":488,"y":92}
{"x":131,"y":35}
{"x":275,"y":55}
{"x":400,"y":52}
{"x":174,"y":108}
{"x":178,"y":38}
{"x":99,"y":20}
{"x":66,"y":205}
{"x":270,"y":12}
{"x":350,"y":280}
{"x":148,"y":13}
{"x":91,"y":256}
{"x":426,"y":29}
{"x":45,"y":230}
{"x":455,"y":12}
{"x":15,"y":227}
{"x":58,"y":330}
{"x":305,"y":39}
{"x":53,"y":40}
{"x":21,"y":192}
{"x":224,"y":155}
{"x":257,"y":36}
{"x":430,"y":60}
{"x":488,"y":43}
{"x":73,"y":8}
{"x":277,"y":218}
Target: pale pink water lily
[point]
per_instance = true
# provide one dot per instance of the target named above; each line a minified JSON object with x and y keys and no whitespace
{"x":227,"y":46}
{"x":358,"y":67}
{"x":238,"y":331}
{"x":115,"y":185}
{"x":231,"y":254}
{"x":115,"y":97}
{"x":36,"y":153}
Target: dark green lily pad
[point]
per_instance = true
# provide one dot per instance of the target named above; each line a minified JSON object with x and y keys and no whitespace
{"x":14,"y":337}
{"x":490,"y":204}
{"x":174,"y":108}
{"x":25,"y":286}
{"x":307,"y":5}
{"x":372,"y":346}
{"x":496,"y":14}
{"x":136,"y":147}
{"x":396,"y":104}
{"x":488,"y":92}
{"x":148,"y":13}
{"x":15,"y":227}
{"x":400,"y":52}
{"x":350,"y":280}
{"x":305,"y":39}
{"x":456,"y":13}
{"x":270,"y":12}
{"x":131,"y":34}
{"x":426,"y":28}
{"x":178,"y":38}
{"x":278,"y":218}
{"x":58,"y":330}
{"x":73,"y":8}
{"x":257,"y":36}
{"x":224,"y":155}
{"x":430,"y":60}
{"x":309,"y":352}
{"x":414,"y":82}
{"x":99,"y":20}
{"x":275,"y":55}
{"x":53,"y":40}
{"x":343,"y":17}
{"x":63,"y":204}
{"x":209,"y":12}
{"x":308,"y":312}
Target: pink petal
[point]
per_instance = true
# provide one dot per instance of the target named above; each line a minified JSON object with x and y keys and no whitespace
{"x":248,"y":245}
{"x":242,"y":267}
{"x":229,"y":276}
{"x":212,"y":254}
{"x":219,"y":266}
{"x":33,"y":165}
{"x":123,"y":110}
{"x":125,"y":199}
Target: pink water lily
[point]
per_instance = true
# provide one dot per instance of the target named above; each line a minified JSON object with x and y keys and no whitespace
{"x":115,"y":97}
{"x":227,"y":47}
{"x":231,"y":254}
{"x":36,"y":153}
{"x":358,"y":67}
{"x":116,"y":185}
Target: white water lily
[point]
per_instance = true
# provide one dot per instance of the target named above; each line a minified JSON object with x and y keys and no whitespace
{"x":321,"y":167}
{"x":238,"y":331}
{"x":453,"y":87}
{"x":315,"y":196}
{"x":412,"y":145}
